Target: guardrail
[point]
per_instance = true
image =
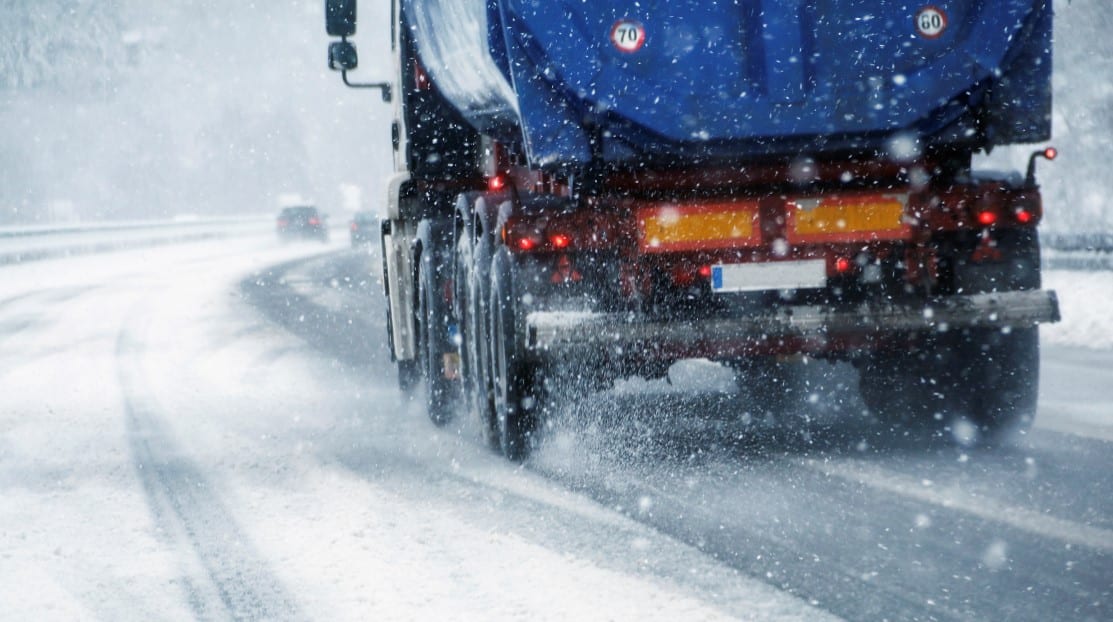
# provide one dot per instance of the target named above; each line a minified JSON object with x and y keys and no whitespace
{"x":1095,"y":242}
{"x":1078,"y":251}
{"x":23,"y":244}
{"x":1074,"y":251}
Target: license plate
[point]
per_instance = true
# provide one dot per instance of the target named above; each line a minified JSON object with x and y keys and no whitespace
{"x":756,"y":277}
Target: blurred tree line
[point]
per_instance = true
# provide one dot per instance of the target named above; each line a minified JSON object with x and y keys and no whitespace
{"x":135,"y":109}
{"x":60,"y":43}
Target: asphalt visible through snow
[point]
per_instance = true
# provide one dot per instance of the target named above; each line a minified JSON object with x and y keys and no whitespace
{"x":846,"y":516}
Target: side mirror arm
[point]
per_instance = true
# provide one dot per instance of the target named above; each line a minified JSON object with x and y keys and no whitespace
{"x":384,"y":87}
{"x":1048,"y":154}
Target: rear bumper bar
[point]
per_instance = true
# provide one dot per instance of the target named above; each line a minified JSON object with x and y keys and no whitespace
{"x":552,"y":332}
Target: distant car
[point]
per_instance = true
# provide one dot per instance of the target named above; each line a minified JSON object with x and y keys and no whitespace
{"x":363,"y":227}
{"x":302,"y":222}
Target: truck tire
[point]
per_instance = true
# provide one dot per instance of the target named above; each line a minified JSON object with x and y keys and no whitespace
{"x":474,"y":355}
{"x":987,"y":376}
{"x":516,"y":382}
{"x":771,"y":390}
{"x":434,"y":343}
{"x":901,"y":389}
{"x":1000,"y":380}
{"x":409,"y":376}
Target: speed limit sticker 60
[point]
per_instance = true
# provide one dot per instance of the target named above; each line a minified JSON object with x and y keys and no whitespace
{"x":628,"y":35}
{"x":931,"y":22}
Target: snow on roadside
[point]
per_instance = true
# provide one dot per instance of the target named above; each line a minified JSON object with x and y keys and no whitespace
{"x":1086,"y":304}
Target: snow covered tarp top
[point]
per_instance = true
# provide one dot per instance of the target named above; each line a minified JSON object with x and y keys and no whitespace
{"x":739,"y":79}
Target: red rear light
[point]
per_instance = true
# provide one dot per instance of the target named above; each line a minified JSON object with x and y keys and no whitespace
{"x":1023,"y":216}
{"x":421,"y":79}
{"x":355,"y":226}
{"x":562,"y":232}
{"x":522,"y":237}
{"x":283,"y":223}
{"x":314,"y":221}
{"x":842,"y":264}
{"x":496,"y":183}
{"x":986,"y":218}
{"x":705,"y":271}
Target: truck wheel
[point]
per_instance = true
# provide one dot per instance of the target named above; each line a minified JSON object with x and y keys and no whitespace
{"x":440,"y":391}
{"x":907,"y":389}
{"x":474,"y":347}
{"x":1000,"y":375}
{"x":515,"y":378}
{"x":409,"y":376}
{"x":771,"y":390}
{"x":988,"y":376}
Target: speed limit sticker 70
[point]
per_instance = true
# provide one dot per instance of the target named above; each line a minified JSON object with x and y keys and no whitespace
{"x":628,"y":35}
{"x":931,"y":22}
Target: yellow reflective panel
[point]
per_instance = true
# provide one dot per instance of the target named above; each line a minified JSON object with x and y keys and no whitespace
{"x":673,"y":227}
{"x":882,"y":214}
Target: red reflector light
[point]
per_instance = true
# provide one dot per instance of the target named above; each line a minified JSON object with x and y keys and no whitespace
{"x":526,"y":244}
{"x":842,"y":264}
{"x":987,"y":218}
{"x":421,"y":79}
{"x":1023,"y":216}
{"x":496,"y":183}
{"x":705,"y":271}
{"x":560,"y":240}
{"x":1051,"y":153}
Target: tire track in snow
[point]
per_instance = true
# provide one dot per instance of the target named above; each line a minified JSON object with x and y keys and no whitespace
{"x":14,"y":323}
{"x":52,"y":294}
{"x":235,"y":582}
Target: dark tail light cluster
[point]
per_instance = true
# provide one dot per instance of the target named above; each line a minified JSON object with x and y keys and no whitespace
{"x":1020,"y":210}
{"x":563,"y":232}
{"x":530,"y":241}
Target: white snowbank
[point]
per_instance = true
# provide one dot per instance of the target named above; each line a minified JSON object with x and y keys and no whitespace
{"x":1086,"y":304}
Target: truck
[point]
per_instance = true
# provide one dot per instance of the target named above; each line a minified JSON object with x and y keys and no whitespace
{"x":585,"y":191}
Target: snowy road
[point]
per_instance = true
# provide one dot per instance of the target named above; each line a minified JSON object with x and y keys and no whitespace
{"x":212,"y":431}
